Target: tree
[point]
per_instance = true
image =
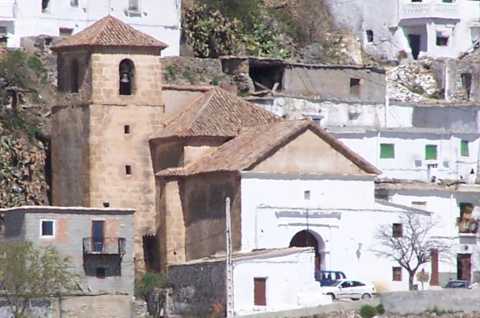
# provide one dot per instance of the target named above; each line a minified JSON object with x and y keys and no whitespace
{"x":28,"y":272}
{"x":411,"y":247}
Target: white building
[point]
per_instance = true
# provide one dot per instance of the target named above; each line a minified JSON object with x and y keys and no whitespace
{"x":435,"y":28}
{"x":21,"y":18}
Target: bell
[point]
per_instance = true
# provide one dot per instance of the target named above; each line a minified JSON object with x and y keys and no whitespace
{"x":125,"y":78}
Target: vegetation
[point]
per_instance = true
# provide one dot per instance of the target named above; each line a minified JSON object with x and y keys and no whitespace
{"x":150,"y":281}
{"x":367,"y":311}
{"x":28,"y":272}
{"x":413,"y":247}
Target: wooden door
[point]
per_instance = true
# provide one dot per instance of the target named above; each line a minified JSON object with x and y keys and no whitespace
{"x":464,"y":266}
{"x":260,"y":291}
{"x":434,"y":279}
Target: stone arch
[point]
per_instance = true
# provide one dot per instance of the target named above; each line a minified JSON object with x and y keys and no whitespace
{"x":126,"y":71}
{"x":307,"y":238}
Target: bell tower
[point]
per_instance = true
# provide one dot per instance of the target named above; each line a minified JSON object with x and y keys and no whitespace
{"x":109,"y":100}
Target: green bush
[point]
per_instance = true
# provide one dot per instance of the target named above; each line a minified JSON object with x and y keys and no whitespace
{"x":367,"y":311}
{"x":380,"y":309}
{"x":148,"y":282}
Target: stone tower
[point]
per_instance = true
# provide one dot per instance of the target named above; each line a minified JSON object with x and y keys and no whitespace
{"x":110,"y":98}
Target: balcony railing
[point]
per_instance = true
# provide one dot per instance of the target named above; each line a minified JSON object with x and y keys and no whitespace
{"x":418,"y":10}
{"x":7,"y":9}
{"x":467,"y":226}
{"x":105,"y":246}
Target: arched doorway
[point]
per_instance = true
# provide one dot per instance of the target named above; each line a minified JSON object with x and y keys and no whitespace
{"x":306,"y":238}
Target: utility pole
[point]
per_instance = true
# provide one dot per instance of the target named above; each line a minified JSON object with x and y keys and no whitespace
{"x":229,"y":263}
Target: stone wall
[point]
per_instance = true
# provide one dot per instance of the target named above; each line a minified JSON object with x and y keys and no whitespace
{"x":197,"y":288}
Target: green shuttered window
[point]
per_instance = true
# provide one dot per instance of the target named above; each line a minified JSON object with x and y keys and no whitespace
{"x":464,"y":148}
{"x":431,"y":152}
{"x":387,"y":151}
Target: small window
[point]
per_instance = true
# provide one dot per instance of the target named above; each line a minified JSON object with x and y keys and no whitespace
{"x":442,"y":40}
{"x":100,"y":272}
{"x":106,"y":204}
{"x":128,"y":170}
{"x":397,"y":230}
{"x":431,"y":152}
{"x":74,"y":3}
{"x":134,"y":5}
{"x":464,"y":151}
{"x":387,"y":151}
{"x":45,"y":4}
{"x":260,"y":291}
{"x":65,"y":31}
{"x":397,"y":274}
{"x":306,"y":195}
{"x":369,"y":36}
{"x":419,"y":204}
{"x":355,"y":86}
{"x":47,"y":228}
{"x":126,"y":129}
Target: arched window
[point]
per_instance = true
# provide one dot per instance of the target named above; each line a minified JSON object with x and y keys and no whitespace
{"x":75,"y":77}
{"x":126,"y":77}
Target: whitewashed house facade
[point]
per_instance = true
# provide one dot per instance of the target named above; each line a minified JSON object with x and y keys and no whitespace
{"x":21,"y":18}
{"x":434,"y":28}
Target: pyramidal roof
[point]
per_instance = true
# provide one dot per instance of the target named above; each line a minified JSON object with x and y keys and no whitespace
{"x":216,"y":113}
{"x":110,"y":32}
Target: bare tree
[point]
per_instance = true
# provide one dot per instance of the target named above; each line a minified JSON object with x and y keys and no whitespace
{"x":411,"y":247}
{"x":28,"y":272}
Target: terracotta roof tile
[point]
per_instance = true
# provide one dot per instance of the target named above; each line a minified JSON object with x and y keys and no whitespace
{"x":254,"y":144}
{"x":111,"y":32}
{"x":216,"y":113}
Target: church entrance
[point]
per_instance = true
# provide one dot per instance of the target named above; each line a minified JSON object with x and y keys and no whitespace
{"x":306,"y":238}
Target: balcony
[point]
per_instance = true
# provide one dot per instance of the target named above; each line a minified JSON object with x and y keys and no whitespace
{"x":420,"y":10}
{"x":467,"y":226}
{"x":7,"y":9}
{"x":107,"y":246}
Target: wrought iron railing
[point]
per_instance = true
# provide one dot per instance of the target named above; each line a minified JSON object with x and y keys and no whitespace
{"x":106,"y":245}
{"x":468,"y":226}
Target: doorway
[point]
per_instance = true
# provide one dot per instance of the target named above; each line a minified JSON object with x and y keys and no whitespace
{"x":464,"y":267}
{"x":307,"y":239}
{"x":415,"y":40}
{"x":98,"y":235}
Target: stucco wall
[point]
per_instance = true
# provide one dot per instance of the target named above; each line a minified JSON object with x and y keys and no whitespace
{"x":70,"y":228}
{"x":301,"y":156}
{"x":334,"y":83}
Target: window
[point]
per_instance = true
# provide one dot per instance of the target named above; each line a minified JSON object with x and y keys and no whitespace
{"x":133,"y":5}
{"x":419,"y":204}
{"x":3,"y":36}
{"x":369,"y":36}
{"x":45,"y":4}
{"x":128,"y":170}
{"x":126,"y":129}
{"x":431,"y":152}
{"x":464,"y":151}
{"x":387,"y":151}
{"x":100,"y":272}
{"x":442,"y":40}
{"x":74,"y":3}
{"x":260,"y":291}
{"x":397,"y":274}
{"x":47,"y":228}
{"x":106,"y":204}
{"x":126,"y":77}
{"x":65,"y":31}
{"x":357,"y":284}
{"x":75,"y":81}
{"x":355,"y":86}
{"x":467,"y":84}
{"x":397,"y":230}
{"x":306,"y":195}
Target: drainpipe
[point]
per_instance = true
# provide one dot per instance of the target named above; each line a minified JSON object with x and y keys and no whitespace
{"x":387,"y":103}
{"x":447,"y":82}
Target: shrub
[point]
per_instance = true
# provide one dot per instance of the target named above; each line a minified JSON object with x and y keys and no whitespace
{"x":380,"y":309}
{"x":367,"y":311}
{"x":148,"y":282}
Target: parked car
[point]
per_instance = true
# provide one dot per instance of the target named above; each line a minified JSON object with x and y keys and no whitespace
{"x":457,"y":283}
{"x":327,"y":278}
{"x":347,"y":288}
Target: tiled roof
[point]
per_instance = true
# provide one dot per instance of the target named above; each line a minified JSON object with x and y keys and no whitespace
{"x":254,"y":144}
{"x":110,"y":32}
{"x":217,"y":113}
